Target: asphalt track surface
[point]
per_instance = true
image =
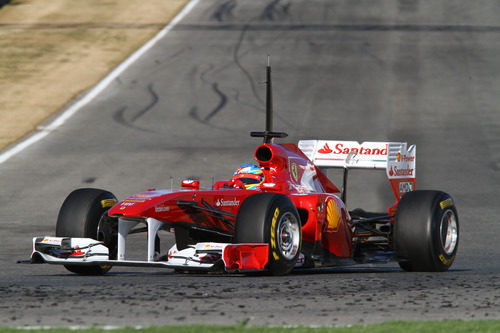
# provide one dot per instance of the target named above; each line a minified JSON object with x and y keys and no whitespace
{"x":423,"y":72}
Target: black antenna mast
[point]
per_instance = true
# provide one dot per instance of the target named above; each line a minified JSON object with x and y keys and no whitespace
{"x":268,"y":134}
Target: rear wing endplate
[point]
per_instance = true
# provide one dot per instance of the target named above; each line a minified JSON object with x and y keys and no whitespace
{"x":396,"y":158}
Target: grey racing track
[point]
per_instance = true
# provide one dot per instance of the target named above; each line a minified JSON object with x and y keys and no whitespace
{"x":426,"y":72}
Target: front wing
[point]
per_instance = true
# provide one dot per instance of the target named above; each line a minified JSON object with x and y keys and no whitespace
{"x":201,"y":256}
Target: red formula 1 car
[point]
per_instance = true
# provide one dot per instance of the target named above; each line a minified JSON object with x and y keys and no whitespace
{"x":277,"y":215}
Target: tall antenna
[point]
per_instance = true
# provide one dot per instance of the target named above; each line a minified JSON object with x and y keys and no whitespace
{"x":268,"y":134}
{"x":269,"y":97}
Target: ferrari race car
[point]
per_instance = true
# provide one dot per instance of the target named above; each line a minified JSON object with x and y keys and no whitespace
{"x":280,"y":214}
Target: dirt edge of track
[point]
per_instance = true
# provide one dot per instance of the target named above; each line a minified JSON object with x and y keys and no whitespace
{"x":52,"y":51}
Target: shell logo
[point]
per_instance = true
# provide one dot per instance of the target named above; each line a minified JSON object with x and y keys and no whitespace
{"x":332,"y":215}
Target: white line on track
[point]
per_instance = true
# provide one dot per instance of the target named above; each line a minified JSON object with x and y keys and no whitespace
{"x":96,"y":90}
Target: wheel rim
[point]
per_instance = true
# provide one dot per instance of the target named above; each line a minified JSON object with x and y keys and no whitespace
{"x":288,"y":236}
{"x":449,"y":231}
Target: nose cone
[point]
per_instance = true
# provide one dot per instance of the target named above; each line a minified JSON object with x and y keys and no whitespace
{"x":140,"y":205}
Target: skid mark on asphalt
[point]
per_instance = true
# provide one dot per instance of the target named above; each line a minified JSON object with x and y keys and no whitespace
{"x":220,"y":106}
{"x":154,"y":101}
{"x":205,"y":72}
{"x":221,"y":14}
{"x":119,"y":115}
{"x":236,"y":58}
{"x":224,"y":11}
{"x":194,"y":112}
{"x":273,"y":11}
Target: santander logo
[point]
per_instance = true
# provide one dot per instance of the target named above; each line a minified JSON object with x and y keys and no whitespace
{"x":325,"y":150}
{"x":340,"y":149}
{"x":227,"y":203}
{"x":395,"y":171}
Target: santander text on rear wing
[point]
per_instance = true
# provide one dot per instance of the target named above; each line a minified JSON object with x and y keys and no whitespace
{"x":396,"y":158}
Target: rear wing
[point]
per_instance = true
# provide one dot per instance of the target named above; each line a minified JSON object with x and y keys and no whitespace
{"x":396,"y":158}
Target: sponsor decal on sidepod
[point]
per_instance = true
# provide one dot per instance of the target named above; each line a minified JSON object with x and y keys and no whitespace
{"x":227,"y":203}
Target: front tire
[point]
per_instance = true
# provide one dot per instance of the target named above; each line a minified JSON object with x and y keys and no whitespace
{"x":426,"y":231}
{"x":273,"y":219}
{"x":79,"y":216}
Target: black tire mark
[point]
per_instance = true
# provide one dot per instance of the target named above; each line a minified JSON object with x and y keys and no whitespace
{"x":154,"y":101}
{"x":169,"y":58}
{"x":240,"y":66}
{"x":119,"y":117}
{"x":249,"y":76}
{"x":205,"y":72}
{"x":224,"y":11}
{"x":220,"y":106}
{"x":271,"y":11}
{"x":266,"y":14}
{"x":193,"y":113}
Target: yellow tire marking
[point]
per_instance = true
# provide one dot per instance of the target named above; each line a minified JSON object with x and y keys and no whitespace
{"x":446,"y":203}
{"x":273,"y":233}
{"x":445,"y":261}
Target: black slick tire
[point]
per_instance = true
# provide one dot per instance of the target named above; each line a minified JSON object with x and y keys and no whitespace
{"x":271,"y":218}
{"x":426,"y":231}
{"x":79,"y":216}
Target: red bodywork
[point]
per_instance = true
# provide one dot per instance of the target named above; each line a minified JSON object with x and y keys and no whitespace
{"x":325,"y":220}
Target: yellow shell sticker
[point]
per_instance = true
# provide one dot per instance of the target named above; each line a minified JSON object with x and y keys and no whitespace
{"x":295,"y":173}
{"x":332,"y":215}
{"x":108,"y":203}
{"x":446,"y":203}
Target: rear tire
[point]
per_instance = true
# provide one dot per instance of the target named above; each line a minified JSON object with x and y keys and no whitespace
{"x":79,"y":216}
{"x":273,"y":219}
{"x":426,"y":231}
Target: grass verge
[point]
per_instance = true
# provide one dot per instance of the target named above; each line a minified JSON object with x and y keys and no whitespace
{"x":50,"y":51}
{"x":456,"y":326}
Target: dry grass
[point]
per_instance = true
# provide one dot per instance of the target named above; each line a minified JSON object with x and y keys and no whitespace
{"x":50,"y":51}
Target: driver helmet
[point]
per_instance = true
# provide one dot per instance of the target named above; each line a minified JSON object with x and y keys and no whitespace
{"x":250,"y":175}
